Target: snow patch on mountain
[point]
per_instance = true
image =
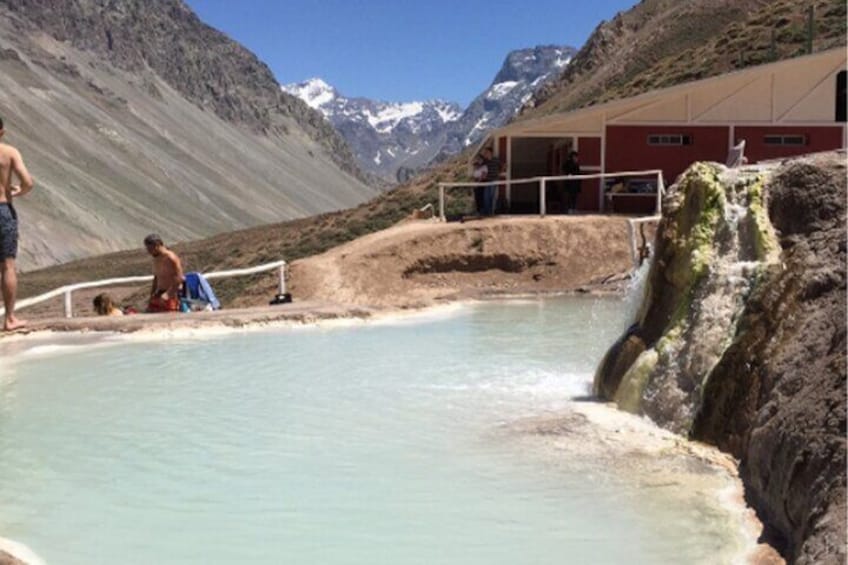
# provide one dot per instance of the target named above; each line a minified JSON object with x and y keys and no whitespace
{"x":524,"y":71}
{"x":501,"y":89}
{"x":315,"y":92}
{"x":448,"y":113}
{"x":388,"y":117}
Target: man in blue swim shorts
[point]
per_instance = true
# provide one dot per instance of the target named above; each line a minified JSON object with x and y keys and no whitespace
{"x":15,"y":181}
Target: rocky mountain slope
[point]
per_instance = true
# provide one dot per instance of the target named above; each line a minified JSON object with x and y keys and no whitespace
{"x":522,"y":74}
{"x":659,"y":43}
{"x":134,"y":116}
{"x":741,"y":339}
{"x":393,"y":140}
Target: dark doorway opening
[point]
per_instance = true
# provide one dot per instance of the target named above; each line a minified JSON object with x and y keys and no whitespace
{"x":841,"y":96}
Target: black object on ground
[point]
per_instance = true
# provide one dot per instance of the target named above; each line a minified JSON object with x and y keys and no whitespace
{"x":281,"y":299}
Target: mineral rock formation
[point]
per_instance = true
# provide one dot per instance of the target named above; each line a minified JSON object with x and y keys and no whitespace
{"x":742,"y":337}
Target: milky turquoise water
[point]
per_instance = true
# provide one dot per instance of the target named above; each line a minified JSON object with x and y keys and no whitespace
{"x":373,"y":444}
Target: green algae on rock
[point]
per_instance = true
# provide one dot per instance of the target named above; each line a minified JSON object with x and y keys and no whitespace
{"x":713,"y":240}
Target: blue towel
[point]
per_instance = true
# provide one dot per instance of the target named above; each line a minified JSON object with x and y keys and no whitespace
{"x":198,"y":288}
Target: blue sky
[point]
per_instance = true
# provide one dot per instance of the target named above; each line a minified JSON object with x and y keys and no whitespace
{"x":398,"y":50}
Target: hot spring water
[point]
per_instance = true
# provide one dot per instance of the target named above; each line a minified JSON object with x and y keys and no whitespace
{"x":376,"y":443}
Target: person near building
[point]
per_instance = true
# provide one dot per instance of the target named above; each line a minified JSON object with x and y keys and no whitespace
{"x":493,"y":174}
{"x":571,"y":166}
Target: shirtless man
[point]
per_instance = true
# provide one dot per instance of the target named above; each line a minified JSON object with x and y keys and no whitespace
{"x":15,"y":181}
{"x":167,"y":276}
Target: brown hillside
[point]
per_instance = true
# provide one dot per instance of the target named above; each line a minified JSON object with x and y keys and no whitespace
{"x":660,"y":43}
{"x":290,"y":240}
{"x":416,"y":264}
{"x":132,"y":109}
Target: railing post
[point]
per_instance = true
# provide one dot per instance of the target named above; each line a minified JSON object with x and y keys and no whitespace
{"x":660,"y":191}
{"x":542,"y":203}
{"x":69,"y":313}
{"x":442,"y":203}
{"x":283,"y":278}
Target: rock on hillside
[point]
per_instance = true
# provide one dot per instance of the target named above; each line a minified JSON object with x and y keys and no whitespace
{"x":134,"y":116}
{"x":741,"y":340}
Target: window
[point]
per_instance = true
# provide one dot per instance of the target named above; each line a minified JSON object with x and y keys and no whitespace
{"x":786,"y":140}
{"x":840,"y":97}
{"x":669,"y":139}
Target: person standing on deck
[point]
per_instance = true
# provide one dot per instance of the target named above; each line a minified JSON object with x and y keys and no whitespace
{"x":572,"y":186}
{"x":490,"y":193}
{"x":11,"y":165}
{"x":479,"y":173}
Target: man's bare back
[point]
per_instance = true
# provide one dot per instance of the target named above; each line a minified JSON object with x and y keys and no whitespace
{"x":12,"y":162}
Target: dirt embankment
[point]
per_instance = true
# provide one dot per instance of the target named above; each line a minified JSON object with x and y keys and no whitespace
{"x":411,"y":265}
{"x":422,"y":263}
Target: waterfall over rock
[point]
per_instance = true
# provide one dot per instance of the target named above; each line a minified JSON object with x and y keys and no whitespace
{"x":741,"y":338}
{"x":715,"y":240}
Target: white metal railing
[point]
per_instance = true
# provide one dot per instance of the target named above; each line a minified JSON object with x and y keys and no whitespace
{"x":543,"y":186}
{"x":68,"y":290}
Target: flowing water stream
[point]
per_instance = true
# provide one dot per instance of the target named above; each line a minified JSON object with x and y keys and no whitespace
{"x":395,"y":442}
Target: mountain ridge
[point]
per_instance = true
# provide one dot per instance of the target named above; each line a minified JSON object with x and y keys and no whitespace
{"x":433,"y":130}
{"x":385,"y":136}
{"x":660,"y":43}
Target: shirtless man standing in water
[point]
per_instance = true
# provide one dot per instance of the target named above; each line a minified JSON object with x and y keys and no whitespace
{"x":167,"y":276}
{"x":11,"y":165}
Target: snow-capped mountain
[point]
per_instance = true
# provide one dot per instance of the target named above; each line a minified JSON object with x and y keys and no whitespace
{"x":388,"y":139}
{"x":522,"y":73}
{"x":393,"y":140}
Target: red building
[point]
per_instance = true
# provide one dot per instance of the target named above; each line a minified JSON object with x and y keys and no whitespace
{"x":790,"y":107}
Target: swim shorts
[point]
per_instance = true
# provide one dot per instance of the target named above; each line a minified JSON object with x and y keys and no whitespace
{"x":159,"y":304}
{"x":8,"y":232}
